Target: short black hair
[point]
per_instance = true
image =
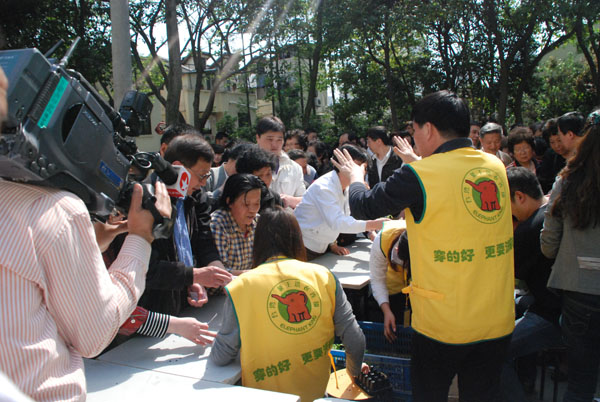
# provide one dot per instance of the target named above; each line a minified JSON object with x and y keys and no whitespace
{"x":299,"y":135}
{"x":175,"y":130}
{"x":217,"y":149}
{"x":238,"y":185}
{"x":253,"y":159}
{"x":519,"y":135}
{"x":446,"y":111}
{"x":356,"y":154}
{"x":489,"y":128}
{"x":523,"y":180}
{"x":352,"y":138}
{"x":220,"y":135}
{"x":322,"y":150}
{"x":379,"y":133}
{"x":549,"y":129}
{"x":270,"y":123}
{"x":296,"y":154}
{"x":187,"y":149}
{"x":235,"y":152}
{"x":572,"y":121}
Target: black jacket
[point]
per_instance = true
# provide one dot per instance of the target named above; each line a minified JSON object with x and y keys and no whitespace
{"x":167,"y":278}
{"x":394,"y":162}
{"x":534,"y":268}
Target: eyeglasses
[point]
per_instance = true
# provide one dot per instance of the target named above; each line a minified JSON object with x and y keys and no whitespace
{"x":200,"y":177}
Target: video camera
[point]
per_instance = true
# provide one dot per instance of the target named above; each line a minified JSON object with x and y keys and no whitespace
{"x":61,"y":133}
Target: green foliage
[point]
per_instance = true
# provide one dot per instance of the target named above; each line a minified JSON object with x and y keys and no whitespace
{"x":42,"y":23}
{"x":247,"y":133}
{"x":562,"y":85}
{"x":227,"y":124}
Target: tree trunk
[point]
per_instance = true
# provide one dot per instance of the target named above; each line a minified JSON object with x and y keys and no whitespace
{"x":314,"y":68}
{"x":211,"y":101}
{"x":391,"y":93}
{"x":121,"y":54}
{"x":502,"y":93}
{"x":174,"y":78}
{"x":300,"y":78}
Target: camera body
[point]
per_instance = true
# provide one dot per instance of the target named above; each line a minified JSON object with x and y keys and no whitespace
{"x":61,"y":133}
{"x":57,"y":133}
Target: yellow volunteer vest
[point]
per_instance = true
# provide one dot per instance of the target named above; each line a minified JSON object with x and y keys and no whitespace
{"x":462,"y":249}
{"x":285,"y":314}
{"x":389,"y":234}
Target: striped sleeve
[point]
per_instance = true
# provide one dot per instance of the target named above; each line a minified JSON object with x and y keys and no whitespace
{"x":156,"y":325}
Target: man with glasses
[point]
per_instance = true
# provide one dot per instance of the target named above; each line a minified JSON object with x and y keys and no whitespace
{"x":183,"y":264}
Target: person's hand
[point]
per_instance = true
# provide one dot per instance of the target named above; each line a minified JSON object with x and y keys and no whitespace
{"x":3,"y":100}
{"x":404,"y":150}
{"x":290,"y":201}
{"x":139,"y":220}
{"x":197,"y":296}
{"x":191,"y":329}
{"x":212,"y":277}
{"x":389,"y":324}
{"x":371,"y":235}
{"x":347,"y":167}
{"x":376,"y":224}
{"x":339,"y":250}
{"x":106,"y":232}
{"x":163,"y":201}
{"x":364,"y":368}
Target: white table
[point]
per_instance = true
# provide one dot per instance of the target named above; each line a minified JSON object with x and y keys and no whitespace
{"x":177,"y":355}
{"x":352,"y":270}
{"x":115,"y":382}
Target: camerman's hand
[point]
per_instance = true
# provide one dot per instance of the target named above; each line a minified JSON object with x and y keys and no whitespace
{"x":163,"y":202}
{"x":3,"y":90}
{"x":106,"y":233}
{"x":140,"y":220}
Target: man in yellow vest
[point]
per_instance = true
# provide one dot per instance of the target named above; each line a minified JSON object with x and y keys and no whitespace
{"x":459,"y":224}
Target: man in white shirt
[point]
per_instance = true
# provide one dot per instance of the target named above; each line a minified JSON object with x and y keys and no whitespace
{"x":288,"y":180}
{"x":324,"y":212}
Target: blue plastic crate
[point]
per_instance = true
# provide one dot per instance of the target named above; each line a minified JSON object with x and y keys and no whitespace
{"x":377,"y":344}
{"x":397,"y":369}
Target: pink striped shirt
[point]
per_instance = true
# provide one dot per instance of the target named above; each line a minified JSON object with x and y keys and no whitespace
{"x":57,"y":300}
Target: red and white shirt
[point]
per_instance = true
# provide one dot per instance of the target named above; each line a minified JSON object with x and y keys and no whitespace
{"x":57,"y":300}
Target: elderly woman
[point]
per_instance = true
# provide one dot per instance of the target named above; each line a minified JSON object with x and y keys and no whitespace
{"x":521,"y":145}
{"x":233,"y":223}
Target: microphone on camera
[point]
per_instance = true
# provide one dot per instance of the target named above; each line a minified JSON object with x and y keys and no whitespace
{"x":176,"y":177}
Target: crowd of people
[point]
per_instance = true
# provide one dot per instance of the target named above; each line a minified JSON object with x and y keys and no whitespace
{"x":457,"y":210}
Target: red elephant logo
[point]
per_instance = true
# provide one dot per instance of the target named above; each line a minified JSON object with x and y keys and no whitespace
{"x":489,"y":194}
{"x":296,"y":303}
